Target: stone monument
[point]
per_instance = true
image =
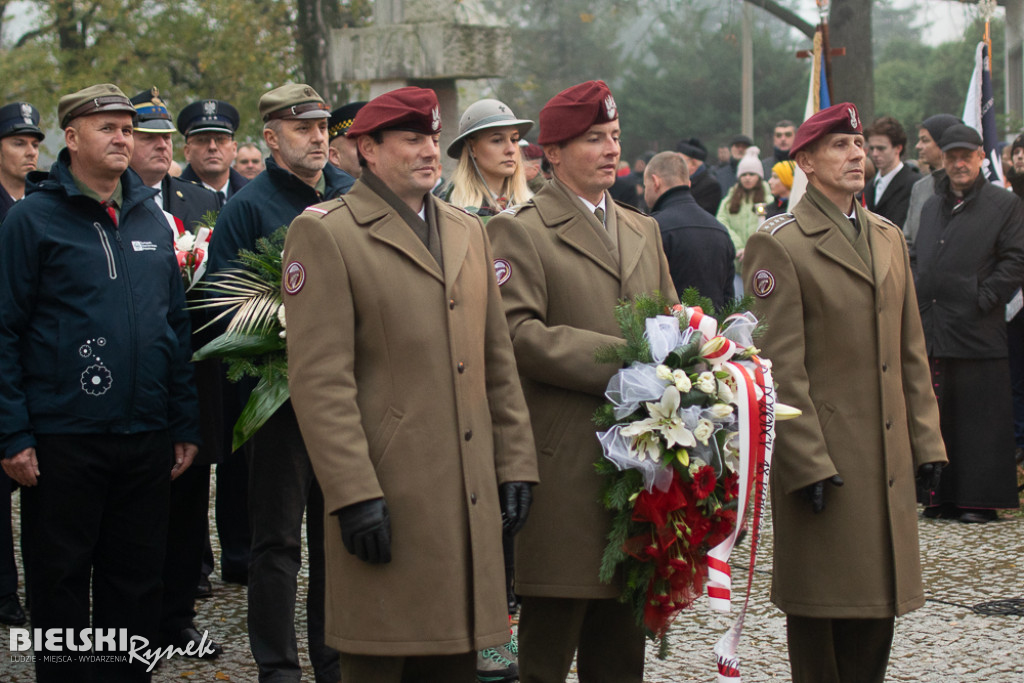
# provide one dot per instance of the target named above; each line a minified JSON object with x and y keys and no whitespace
{"x":427,"y":43}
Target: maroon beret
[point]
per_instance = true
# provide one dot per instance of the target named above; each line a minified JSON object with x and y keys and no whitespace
{"x":411,"y":108}
{"x":574,"y":110}
{"x":839,"y":118}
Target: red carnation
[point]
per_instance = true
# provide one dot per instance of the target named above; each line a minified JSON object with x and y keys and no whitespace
{"x":730,"y":486}
{"x":704,"y":482}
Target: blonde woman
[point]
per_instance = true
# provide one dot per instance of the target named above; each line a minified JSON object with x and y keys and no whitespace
{"x":490,"y":175}
{"x":489,"y":179}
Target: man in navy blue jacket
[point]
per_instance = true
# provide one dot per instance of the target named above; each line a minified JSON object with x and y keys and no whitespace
{"x":98,"y":410}
{"x":698,"y":247}
{"x":281,"y":481}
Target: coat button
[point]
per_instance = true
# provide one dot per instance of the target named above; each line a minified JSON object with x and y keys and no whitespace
{"x":885,"y":367}
{"x":451,"y":304}
{"x":888,"y":424}
{"x":892,"y":481}
{"x":469,"y":435}
{"x":462,"y":366}
{"x":472,"y":498}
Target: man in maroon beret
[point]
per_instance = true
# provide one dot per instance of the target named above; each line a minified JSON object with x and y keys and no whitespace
{"x":403,"y":379}
{"x":564,"y":260}
{"x":833,"y":282}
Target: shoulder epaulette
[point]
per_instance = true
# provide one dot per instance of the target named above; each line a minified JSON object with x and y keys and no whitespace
{"x":324,"y":208}
{"x":884,"y":221}
{"x":514,"y":210}
{"x":632,"y":208}
{"x":772,"y":225}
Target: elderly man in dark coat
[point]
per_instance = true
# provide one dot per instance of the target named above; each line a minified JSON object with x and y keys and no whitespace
{"x":833,"y":283}
{"x":698,"y":247}
{"x":970,"y":261}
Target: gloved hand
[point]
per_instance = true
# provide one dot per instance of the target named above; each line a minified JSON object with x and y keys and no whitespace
{"x":928,"y":476}
{"x":366,"y":530}
{"x":515,"y":498}
{"x":816,"y":491}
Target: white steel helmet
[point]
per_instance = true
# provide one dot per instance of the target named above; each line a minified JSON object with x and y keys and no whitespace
{"x":485,"y":114}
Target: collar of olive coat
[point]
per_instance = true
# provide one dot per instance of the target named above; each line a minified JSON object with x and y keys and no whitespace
{"x":371,"y":211}
{"x":561,"y":210}
{"x":833,"y":244}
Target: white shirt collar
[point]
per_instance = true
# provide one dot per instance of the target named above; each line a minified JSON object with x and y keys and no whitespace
{"x":223,"y":189}
{"x":593,"y":207}
{"x":882,"y":182}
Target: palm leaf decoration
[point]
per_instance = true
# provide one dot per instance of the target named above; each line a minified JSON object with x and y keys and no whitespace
{"x":252,"y":344}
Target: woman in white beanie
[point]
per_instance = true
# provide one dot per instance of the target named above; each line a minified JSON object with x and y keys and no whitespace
{"x":490,"y":175}
{"x":742,"y":209}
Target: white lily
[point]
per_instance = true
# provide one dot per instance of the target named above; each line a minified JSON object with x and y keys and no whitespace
{"x":664,"y":420}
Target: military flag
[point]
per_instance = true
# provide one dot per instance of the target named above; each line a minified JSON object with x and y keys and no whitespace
{"x":980,"y":112}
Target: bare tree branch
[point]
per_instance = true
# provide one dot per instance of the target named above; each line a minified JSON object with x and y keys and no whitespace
{"x":787,"y":15}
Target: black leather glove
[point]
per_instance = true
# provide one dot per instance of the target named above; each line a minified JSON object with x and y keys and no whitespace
{"x":816,"y":491}
{"x":515,"y":497}
{"x":928,"y":476}
{"x":366,"y":530}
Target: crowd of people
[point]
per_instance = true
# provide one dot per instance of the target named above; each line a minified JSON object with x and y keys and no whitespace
{"x":441,"y":340}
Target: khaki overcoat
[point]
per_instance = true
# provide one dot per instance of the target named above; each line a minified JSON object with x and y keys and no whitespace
{"x":847,"y":349}
{"x":405,"y":386}
{"x":563,"y":283}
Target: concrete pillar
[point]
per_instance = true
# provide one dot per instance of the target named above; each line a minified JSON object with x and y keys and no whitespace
{"x":418,"y":42}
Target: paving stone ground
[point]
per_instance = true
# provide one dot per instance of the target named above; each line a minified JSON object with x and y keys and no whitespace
{"x":945,"y":641}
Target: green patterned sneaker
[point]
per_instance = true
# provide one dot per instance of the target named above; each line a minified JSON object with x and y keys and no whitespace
{"x":493,"y":665}
{"x":510,"y":650}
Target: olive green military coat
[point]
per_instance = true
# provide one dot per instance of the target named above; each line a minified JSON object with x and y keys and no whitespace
{"x":562,"y":282}
{"x":405,"y":386}
{"x":847,"y":348}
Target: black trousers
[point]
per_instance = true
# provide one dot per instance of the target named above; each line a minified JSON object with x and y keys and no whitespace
{"x":281,"y":487}
{"x":839,"y":650}
{"x":8,"y":570}
{"x":459,"y":668}
{"x":98,"y":515}
{"x":603,"y":634}
{"x":186,"y":541}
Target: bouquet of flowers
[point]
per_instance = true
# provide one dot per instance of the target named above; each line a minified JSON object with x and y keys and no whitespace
{"x":687,"y":436}
{"x":191,"y":248}
{"x":253,"y":344}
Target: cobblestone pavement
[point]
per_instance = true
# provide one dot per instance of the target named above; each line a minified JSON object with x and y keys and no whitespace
{"x":943,"y":642}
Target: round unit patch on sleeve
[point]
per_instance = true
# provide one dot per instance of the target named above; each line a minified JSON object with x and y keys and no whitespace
{"x":763,"y":283}
{"x":294,"y":277}
{"x":502,"y":270}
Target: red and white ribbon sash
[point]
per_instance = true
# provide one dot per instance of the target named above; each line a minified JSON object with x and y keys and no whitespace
{"x":756,"y":416}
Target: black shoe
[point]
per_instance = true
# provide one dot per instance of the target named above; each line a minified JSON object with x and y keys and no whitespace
{"x":241,"y":578}
{"x":978,"y":516}
{"x":204,"y":590}
{"x":943,"y":511}
{"x":11,"y":612}
{"x":191,"y":640}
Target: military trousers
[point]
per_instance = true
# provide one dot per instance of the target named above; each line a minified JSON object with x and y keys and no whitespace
{"x":839,"y":650}
{"x":602,"y":634}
